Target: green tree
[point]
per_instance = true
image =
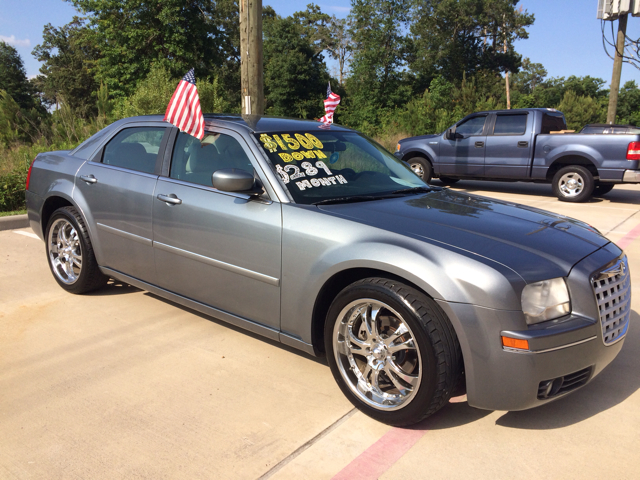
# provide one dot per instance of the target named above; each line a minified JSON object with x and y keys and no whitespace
{"x":154,"y":92}
{"x":580,"y":110}
{"x":13,"y":77}
{"x":67,"y":75}
{"x":454,"y":38}
{"x":295,"y":74}
{"x":378,"y":81}
{"x":135,"y":34}
{"x":629,"y":104}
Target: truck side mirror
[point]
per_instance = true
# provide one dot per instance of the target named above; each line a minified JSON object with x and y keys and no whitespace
{"x":451,"y":134}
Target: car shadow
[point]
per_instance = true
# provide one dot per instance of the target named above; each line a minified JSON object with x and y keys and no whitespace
{"x":114,"y":287}
{"x":536,"y":189}
{"x":275,"y":343}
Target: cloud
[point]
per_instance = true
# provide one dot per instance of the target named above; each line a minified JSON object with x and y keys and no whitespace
{"x":12,"y":40}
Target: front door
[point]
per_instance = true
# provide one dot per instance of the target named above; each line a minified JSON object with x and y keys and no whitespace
{"x":118,"y":188}
{"x":509,"y":147}
{"x":220,"y":249}
{"x":464,"y":157}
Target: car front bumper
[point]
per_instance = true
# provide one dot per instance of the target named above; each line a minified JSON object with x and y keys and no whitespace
{"x":563,"y":355}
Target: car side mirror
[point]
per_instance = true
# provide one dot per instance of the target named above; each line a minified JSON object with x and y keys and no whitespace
{"x":235,"y":180}
{"x":452,"y":134}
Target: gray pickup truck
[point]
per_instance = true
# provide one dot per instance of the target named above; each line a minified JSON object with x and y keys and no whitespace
{"x":517,"y":145}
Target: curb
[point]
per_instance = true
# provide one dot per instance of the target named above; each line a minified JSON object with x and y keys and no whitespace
{"x":14,"y":221}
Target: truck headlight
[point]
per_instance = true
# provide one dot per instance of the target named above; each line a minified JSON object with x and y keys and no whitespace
{"x":546,"y":300}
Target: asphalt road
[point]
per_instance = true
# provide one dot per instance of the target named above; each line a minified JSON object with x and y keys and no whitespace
{"x":123,"y":384}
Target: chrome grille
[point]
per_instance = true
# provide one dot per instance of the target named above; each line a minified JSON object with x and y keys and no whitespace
{"x":612,"y":288}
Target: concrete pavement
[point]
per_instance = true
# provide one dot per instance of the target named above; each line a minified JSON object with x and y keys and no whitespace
{"x":123,"y":384}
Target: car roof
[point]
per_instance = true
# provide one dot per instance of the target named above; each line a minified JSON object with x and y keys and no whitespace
{"x":251,"y":123}
{"x":550,"y":111}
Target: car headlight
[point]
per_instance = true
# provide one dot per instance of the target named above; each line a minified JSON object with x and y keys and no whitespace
{"x":546,"y":300}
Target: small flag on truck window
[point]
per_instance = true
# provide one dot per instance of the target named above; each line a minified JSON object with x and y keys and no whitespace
{"x":183,"y":110}
{"x":330,"y":104}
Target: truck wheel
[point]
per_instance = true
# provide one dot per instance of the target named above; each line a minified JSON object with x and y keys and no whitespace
{"x":573,"y":183}
{"x":392,"y":351}
{"x":421,"y":167}
{"x":70,"y":253}
{"x":449,"y":180}
{"x":603,"y":189}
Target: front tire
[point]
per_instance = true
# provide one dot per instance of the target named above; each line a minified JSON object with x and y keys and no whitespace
{"x":421,"y":167}
{"x":70,"y":253}
{"x":392,"y":351}
{"x":573,"y":183}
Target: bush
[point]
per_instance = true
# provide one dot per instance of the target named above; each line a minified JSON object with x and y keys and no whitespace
{"x":12,"y":191}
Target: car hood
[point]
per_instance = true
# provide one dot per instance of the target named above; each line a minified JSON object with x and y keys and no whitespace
{"x":534,"y":243}
{"x":420,"y":137}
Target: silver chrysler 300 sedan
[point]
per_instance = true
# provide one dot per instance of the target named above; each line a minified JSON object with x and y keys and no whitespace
{"x":317,"y":237}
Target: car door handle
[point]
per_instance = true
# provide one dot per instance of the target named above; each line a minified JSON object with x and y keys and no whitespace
{"x":170,"y":199}
{"x":88,"y":178}
{"x":523,"y":144}
{"x":479,"y":144}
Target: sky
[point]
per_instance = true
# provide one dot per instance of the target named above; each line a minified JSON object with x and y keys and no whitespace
{"x":566,"y":37}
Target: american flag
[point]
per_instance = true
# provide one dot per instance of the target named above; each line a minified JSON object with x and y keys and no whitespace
{"x":330,"y":104}
{"x":184,"y":108}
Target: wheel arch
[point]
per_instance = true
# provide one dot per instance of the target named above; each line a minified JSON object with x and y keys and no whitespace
{"x":567,"y":160}
{"x":50,"y":205}
{"x":418,"y":153}
{"x":334,"y":285}
{"x":57,"y":200}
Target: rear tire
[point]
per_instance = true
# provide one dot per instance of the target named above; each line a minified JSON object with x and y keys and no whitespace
{"x":573,"y":183}
{"x":421,"y":167}
{"x":392,"y":351}
{"x":70,"y":254}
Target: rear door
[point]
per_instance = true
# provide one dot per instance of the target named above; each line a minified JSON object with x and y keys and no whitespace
{"x":464,"y":156}
{"x":118,"y":185}
{"x":218,"y":248}
{"x":509,"y":146}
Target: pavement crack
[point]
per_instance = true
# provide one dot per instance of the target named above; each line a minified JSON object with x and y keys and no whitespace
{"x":623,"y":221}
{"x":278,"y":466}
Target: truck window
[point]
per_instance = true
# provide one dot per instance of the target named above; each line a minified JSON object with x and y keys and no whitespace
{"x":552,"y":123}
{"x":473,"y":126}
{"x":510,"y":125}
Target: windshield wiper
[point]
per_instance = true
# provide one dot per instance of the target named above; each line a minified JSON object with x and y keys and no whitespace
{"x":412,"y":190}
{"x":355,"y":198}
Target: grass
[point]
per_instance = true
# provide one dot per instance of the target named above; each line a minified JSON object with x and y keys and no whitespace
{"x":13,"y":212}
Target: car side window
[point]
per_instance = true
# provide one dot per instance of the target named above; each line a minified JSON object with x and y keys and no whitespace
{"x":195,"y":161}
{"x":473,"y":126}
{"x":134,"y":148}
{"x":510,"y":125}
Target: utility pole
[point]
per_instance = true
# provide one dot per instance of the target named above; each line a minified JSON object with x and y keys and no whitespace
{"x":617,"y":69}
{"x":251,"y":62}
{"x":506,"y":77}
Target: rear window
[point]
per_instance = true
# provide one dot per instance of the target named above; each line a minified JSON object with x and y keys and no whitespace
{"x":552,"y":123}
{"x":510,"y":125}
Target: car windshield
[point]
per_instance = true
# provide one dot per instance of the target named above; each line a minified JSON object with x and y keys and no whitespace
{"x":323,"y":166}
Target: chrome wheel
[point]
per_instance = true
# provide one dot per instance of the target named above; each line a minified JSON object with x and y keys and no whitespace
{"x":65,"y":252}
{"x":376,"y":354}
{"x":571,"y":184}
{"x":417,"y":169}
